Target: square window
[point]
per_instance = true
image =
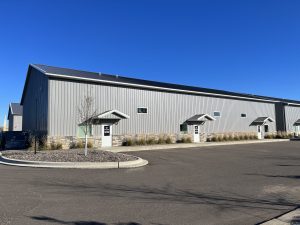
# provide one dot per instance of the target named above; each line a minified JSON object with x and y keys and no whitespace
{"x":142,"y":110}
{"x":217,"y":114}
{"x":243,"y":115}
{"x":183,"y":128}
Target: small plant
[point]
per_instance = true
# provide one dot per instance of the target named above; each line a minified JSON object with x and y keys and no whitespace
{"x":168,"y":140}
{"x":128,"y":142}
{"x":220,"y":138}
{"x":230,"y":137}
{"x":236,"y":138}
{"x":90,"y":144}
{"x":55,"y":145}
{"x":79,"y":144}
{"x":150,"y":141}
{"x":214,"y":139}
{"x":161,"y":140}
{"x":225,"y":138}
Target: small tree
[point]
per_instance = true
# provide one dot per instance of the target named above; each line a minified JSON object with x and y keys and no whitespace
{"x":86,"y":113}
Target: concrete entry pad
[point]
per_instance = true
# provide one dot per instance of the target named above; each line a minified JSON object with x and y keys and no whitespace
{"x":228,"y":185}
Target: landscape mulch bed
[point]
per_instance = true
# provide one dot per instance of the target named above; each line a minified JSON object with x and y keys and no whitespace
{"x":74,"y":155}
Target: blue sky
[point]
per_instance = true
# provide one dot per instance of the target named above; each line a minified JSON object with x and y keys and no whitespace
{"x":249,"y":46}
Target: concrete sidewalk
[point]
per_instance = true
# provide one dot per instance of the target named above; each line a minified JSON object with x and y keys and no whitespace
{"x":291,"y":218}
{"x":188,"y":145}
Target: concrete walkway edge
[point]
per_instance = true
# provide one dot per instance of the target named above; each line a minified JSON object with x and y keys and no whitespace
{"x":74,"y":165}
{"x":289,"y":218}
{"x":188,"y":145}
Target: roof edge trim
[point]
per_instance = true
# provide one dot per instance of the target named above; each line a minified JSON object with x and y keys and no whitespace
{"x":155,"y":87}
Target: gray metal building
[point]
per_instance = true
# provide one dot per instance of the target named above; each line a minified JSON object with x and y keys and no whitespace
{"x":15,"y":114}
{"x":128,"y":106}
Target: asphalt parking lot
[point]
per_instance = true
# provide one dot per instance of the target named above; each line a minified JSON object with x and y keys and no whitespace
{"x":227,"y":185}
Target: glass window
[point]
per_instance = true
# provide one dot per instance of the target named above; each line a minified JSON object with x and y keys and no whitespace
{"x":183,"y":128}
{"x":243,"y":115}
{"x":81,"y":131}
{"x":266,"y":128}
{"x":217,"y":114}
{"x":142,"y":110}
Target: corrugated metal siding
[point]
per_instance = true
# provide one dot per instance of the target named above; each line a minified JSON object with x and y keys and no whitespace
{"x":292,"y":114}
{"x":35,"y":104}
{"x":166,"y":111}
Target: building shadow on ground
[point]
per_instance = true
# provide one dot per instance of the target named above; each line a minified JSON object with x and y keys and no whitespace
{"x":169,"y":194}
{"x":57,"y":221}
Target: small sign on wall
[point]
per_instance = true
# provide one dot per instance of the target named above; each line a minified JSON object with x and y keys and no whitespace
{"x":106,"y":130}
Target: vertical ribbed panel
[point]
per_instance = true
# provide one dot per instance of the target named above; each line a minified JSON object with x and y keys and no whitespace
{"x":35,"y":103}
{"x":166,"y":111}
{"x":292,"y":114}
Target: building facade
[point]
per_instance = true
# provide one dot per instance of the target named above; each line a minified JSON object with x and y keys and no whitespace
{"x":129,"y":107}
{"x":15,"y":117}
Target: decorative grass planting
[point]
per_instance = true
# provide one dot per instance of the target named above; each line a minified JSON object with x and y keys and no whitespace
{"x":148,"y":140}
{"x":231,"y":137}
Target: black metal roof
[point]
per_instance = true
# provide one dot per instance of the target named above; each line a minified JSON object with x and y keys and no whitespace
{"x":15,"y":109}
{"x":260,"y":121}
{"x":51,"y":70}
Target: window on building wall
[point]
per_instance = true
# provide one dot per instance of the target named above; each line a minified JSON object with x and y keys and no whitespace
{"x":81,"y":131}
{"x":217,"y":114}
{"x":142,"y":110}
{"x":266,"y":128}
{"x":183,"y":128}
{"x":243,"y":115}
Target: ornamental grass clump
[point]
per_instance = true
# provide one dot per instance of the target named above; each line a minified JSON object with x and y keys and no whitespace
{"x":55,"y":145}
{"x":151,"y":141}
{"x":169,"y":140}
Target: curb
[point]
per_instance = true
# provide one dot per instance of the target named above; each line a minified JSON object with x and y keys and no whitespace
{"x":74,"y":165}
{"x":190,"y":145}
{"x":289,"y":218}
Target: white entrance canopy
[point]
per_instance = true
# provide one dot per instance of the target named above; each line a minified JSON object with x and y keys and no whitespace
{"x":261,"y":121}
{"x":297,"y":123}
{"x":110,"y":115}
{"x":200,"y":119}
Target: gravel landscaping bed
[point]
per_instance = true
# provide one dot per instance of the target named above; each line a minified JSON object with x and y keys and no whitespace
{"x":69,"y":156}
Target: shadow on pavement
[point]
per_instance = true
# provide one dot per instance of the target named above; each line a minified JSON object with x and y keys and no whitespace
{"x":169,"y":194}
{"x":53,"y":220}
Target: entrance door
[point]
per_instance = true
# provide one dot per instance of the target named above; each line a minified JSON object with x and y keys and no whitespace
{"x":106,"y":131}
{"x":196,"y":134}
{"x":297,"y":131}
{"x":259,"y":132}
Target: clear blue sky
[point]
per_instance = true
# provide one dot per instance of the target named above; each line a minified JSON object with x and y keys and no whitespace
{"x":245,"y":46}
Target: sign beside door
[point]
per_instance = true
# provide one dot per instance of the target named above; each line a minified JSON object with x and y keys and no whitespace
{"x":106,"y":135}
{"x":196,"y":134}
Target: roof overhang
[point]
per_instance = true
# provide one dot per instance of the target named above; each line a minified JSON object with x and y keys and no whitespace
{"x":110,"y":116}
{"x":261,"y":121}
{"x":297,"y":123}
{"x":199,"y":119}
{"x":114,"y":112}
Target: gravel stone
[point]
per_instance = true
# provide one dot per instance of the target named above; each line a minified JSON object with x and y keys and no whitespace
{"x":74,"y":155}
